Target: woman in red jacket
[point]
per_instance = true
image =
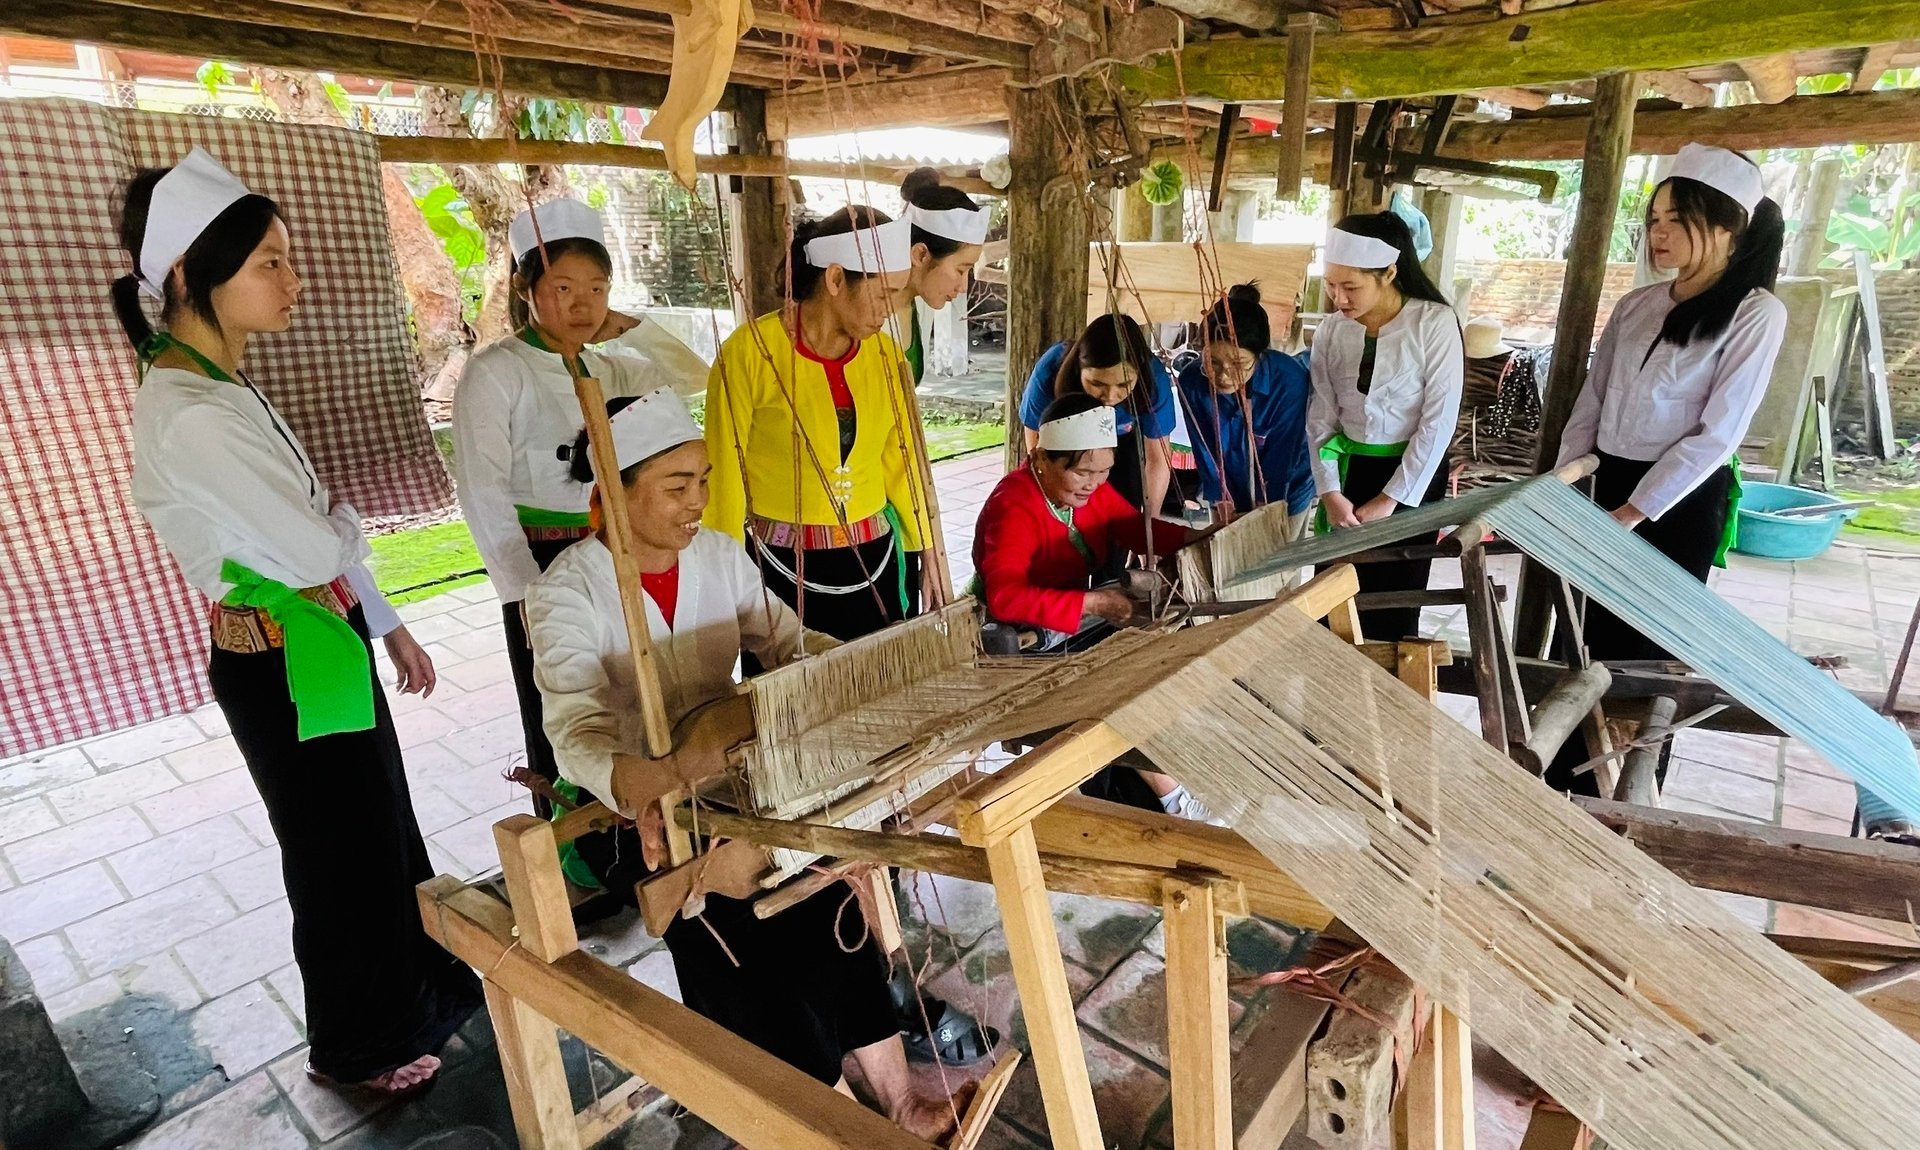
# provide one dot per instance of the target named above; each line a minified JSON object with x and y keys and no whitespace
{"x":1048,"y":537}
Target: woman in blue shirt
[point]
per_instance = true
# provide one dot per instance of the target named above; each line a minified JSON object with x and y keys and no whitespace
{"x":1107,"y":362}
{"x":1248,"y":406}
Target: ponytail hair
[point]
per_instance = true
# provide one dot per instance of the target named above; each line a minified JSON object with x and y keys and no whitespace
{"x":1408,"y":275}
{"x":1239,"y":319}
{"x":1753,"y":263}
{"x":215,"y":256}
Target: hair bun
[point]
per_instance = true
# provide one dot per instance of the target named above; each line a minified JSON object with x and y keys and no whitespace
{"x":1248,"y":292}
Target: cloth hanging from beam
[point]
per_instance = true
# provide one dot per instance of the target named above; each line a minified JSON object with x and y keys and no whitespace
{"x":97,"y":630}
{"x":1566,"y":533}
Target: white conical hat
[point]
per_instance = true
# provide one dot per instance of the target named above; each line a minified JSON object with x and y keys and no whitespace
{"x":185,"y":201}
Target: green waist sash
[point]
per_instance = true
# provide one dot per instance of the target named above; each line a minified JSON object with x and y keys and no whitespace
{"x":1341,"y":449}
{"x":1730,"y":534}
{"x":540,"y":517}
{"x":329,"y":674}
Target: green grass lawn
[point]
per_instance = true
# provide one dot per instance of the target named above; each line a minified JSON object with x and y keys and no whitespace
{"x":1894,"y":518}
{"x":947,"y":438}
{"x":421,"y":563}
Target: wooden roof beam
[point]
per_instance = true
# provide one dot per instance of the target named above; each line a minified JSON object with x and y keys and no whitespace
{"x":845,"y":23}
{"x":1548,"y":46}
{"x":1524,"y":99}
{"x":951,"y":99}
{"x":282,"y":47}
{"x":1774,"y":78}
{"x":1874,"y":62}
{"x":967,"y":16}
{"x":1679,"y":89}
{"x":1259,"y":15}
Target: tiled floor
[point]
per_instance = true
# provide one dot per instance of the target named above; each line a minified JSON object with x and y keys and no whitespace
{"x":140,"y":884}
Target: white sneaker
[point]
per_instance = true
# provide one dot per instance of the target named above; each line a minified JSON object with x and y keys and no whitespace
{"x":1186,"y":806}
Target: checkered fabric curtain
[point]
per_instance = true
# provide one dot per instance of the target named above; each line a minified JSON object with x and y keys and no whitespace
{"x":97,"y":629}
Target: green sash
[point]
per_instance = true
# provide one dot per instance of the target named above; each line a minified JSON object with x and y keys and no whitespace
{"x":1341,"y":449}
{"x":329,"y":675}
{"x":539,"y":517}
{"x":900,"y":559}
{"x":571,"y":864}
{"x":1730,"y":535}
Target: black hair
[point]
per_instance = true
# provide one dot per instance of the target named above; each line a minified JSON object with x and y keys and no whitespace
{"x":1408,"y":275}
{"x":1239,"y":319}
{"x":916,"y":182}
{"x":1061,"y":408}
{"x":805,"y":278}
{"x":579,"y":456}
{"x":215,"y":256}
{"x":1107,"y":342}
{"x":936,"y":198}
{"x":1753,"y":263}
{"x":531,"y":269}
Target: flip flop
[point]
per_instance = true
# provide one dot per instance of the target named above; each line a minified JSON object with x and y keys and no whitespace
{"x":368,"y":1087}
{"x":956,"y":1040}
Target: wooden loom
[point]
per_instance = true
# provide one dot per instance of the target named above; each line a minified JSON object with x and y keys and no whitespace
{"x":1196,"y":874}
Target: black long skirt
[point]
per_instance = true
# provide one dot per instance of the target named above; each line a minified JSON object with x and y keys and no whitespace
{"x":379,"y":992}
{"x":1689,"y":534}
{"x":520,"y":660}
{"x":850,"y":592}
{"x":1367,"y":476}
{"x":808,"y":988}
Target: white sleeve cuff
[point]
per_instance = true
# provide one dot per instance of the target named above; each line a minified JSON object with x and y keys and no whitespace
{"x":382,"y":619}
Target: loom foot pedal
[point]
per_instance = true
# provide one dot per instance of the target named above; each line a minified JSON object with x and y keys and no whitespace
{"x":986,"y":1099}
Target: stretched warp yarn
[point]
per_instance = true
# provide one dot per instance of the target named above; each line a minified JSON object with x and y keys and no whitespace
{"x":1636,"y":1001}
{"x":1248,"y":540}
{"x":1566,"y":533}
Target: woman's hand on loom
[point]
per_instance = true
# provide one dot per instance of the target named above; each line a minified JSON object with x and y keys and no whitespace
{"x":1628,"y":516}
{"x":1110,"y":603}
{"x":1379,"y":507}
{"x":1339,"y":510}
{"x":415,"y":666}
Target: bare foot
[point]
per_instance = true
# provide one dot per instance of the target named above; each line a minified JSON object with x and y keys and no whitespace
{"x":400,"y":1080}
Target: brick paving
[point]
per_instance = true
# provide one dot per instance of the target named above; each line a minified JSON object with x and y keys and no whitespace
{"x":139,"y":881}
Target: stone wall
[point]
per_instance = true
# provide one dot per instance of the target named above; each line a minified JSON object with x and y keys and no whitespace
{"x":1524,"y":295}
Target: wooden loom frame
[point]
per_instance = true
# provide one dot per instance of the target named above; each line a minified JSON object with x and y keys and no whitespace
{"x":1023,"y":830}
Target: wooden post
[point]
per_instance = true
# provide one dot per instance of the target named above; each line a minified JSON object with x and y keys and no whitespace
{"x":1483,"y":620}
{"x":1444,"y":211}
{"x":1293,"y":113}
{"x":1346,"y":120}
{"x":1132,"y":216}
{"x":1047,"y":243}
{"x":1197,"y":1036}
{"x":1222,"y":155}
{"x":536,"y":1077}
{"x":1639,"y":781}
{"x":530,"y":862}
{"x":759,"y":229}
{"x":1823,"y":188}
{"x":1609,"y":136}
{"x":1034,"y":949}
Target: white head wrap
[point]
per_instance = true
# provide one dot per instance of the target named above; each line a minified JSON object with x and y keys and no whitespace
{"x":882,"y":248}
{"x":1723,"y":171}
{"x":654,"y":423}
{"x":558,"y":220}
{"x":1350,"y":249}
{"x":185,"y":201}
{"x":961,"y":225}
{"x":1083,"y":432}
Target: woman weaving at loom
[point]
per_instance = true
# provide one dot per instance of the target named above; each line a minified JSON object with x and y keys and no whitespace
{"x":1048,"y":550}
{"x":1387,"y":375}
{"x":790,"y":984}
{"x":1678,"y":374}
{"x":516,"y":407}
{"x":1249,"y":405}
{"x":1112,"y":363}
{"x":236,"y":500}
{"x":815,"y":453}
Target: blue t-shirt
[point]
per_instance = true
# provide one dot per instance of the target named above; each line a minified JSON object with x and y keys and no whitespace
{"x":1277,"y":394}
{"x":1157,"y":422}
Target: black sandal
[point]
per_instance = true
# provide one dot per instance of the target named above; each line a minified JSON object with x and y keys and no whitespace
{"x":957,"y":1039}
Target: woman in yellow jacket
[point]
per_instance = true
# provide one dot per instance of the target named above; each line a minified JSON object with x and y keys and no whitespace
{"x":815,"y":463}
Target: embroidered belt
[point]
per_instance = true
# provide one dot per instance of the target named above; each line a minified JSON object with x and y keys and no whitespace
{"x":543,"y":526}
{"x":818,"y":536}
{"x":250,"y":631}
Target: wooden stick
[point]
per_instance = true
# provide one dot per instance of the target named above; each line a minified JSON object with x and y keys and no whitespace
{"x":611,"y":1111}
{"x":530,"y":861}
{"x":1483,"y":621}
{"x":1027,"y":919}
{"x":536,"y":1077}
{"x":1560,"y":713}
{"x":934,"y":572}
{"x":1197,"y":1037}
{"x":1639,"y":781}
{"x":1293,"y":113}
{"x":997,"y":805}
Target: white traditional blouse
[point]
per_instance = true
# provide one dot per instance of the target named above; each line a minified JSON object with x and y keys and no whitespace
{"x":1419,"y":369}
{"x":1685,"y":409}
{"x":219,"y":476}
{"x":514,"y":410}
{"x":584,"y":668}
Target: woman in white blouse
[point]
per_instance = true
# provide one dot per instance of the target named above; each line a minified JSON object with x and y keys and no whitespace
{"x":233,"y":496}
{"x":516,"y":412}
{"x":1387,"y":374}
{"x":1679,"y":372}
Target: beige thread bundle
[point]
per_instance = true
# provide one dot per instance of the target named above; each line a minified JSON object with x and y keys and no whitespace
{"x":1248,"y":541}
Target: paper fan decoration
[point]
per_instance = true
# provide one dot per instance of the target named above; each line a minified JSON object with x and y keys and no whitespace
{"x":1162,"y":183}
